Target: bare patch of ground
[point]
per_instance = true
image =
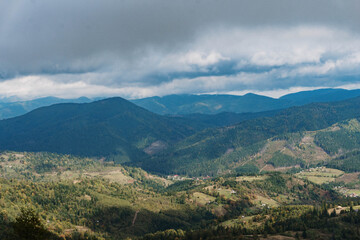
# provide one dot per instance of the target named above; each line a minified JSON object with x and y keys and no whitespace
{"x":114,"y":174}
{"x":271,"y":168}
{"x":155,"y":147}
{"x":348,"y":177}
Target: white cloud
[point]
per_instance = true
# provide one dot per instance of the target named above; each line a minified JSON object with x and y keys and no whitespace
{"x":303,"y":50}
{"x":303,"y":57}
{"x":201,"y":59}
{"x":40,"y":86}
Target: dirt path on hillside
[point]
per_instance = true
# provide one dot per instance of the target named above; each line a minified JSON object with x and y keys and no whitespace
{"x":134,"y":219}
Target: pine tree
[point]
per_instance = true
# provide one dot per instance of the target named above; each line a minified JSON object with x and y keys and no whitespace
{"x":29,"y":226}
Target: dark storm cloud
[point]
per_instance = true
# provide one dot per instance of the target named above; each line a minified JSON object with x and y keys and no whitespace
{"x":125,"y":41}
{"x":55,"y":35}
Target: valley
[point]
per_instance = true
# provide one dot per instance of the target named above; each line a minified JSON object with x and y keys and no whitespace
{"x":166,"y":177}
{"x":180,"y":120}
{"x":82,"y":190}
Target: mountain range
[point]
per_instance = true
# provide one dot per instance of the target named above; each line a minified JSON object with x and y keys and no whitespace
{"x":216,"y":150}
{"x":212,"y":104}
{"x":110,"y":126}
{"x":10,"y":109}
{"x":194,"y":104}
{"x":89,"y":170}
{"x":198,"y":144}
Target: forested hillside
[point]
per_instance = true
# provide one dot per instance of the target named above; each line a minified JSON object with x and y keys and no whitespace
{"x":121,"y":131}
{"x":195,"y":104}
{"x":291,"y":173}
{"x":17,"y":108}
{"x":106,"y":127}
{"x":212,"y":104}
{"x":83,"y":198}
{"x":210,"y":151}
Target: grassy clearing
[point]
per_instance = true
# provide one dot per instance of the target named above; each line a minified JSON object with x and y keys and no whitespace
{"x":109,"y":201}
{"x":250,"y":178}
{"x":338,"y":209}
{"x":227,"y":193}
{"x":237,"y":222}
{"x":259,"y":200}
{"x":202,"y":198}
{"x":165,"y":182}
{"x":349,"y":178}
{"x":320,"y":180}
{"x":355,"y":191}
{"x":320,"y":175}
{"x":113,"y":174}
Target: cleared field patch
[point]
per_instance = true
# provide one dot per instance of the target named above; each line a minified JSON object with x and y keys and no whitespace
{"x":260,"y":200}
{"x":349,"y":178}
{"x":309,"y":151}
{"x":109,"y":201}
{"x":271,"y":168}
{"x":338,"y":209}
{"x":251,"y":178}
{"x":227,"y":193}
{"x":320,"y":180}
{"x":267,"y":152}
{"x":237,"y":221}
{"x":114,"y":174}
{"x":320,"y":175}
{"x":164,"y":181}
{"x":154,"y":204}
{"x":354,"y":192}
{"x":284,"y":198}
{"x":202,"y":198}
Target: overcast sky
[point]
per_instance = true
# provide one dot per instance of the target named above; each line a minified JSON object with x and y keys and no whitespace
{"x":134,"y":48}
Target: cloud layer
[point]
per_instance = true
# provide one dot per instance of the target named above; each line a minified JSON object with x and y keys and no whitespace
{"x":145,"y":48}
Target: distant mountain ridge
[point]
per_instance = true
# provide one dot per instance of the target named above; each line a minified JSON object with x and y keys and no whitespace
{"x":213,"y":104}
{"x":194,"y":104}
{"x":9,"y":109}
{"x":124,"y":132}
{"x":209,"y":104}
{"x":105,"y":127}
{"x":215,"y":149}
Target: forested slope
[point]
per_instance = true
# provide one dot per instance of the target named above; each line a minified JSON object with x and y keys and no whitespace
{"x":202,"y":151}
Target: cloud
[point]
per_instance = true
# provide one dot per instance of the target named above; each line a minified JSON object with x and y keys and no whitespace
{"x":141,"y":48}
{"x":201,"y":59}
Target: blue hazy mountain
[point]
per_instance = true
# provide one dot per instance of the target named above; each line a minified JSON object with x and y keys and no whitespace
{"x":209,"y":104}
{"x":10,"y":109}
{"x":194,"y":104}
{"x":212,"y":104}
{"x":109,"y":126}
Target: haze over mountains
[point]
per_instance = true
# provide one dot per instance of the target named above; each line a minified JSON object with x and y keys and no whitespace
{"x":110,"y":126}
{"x":159,"y":148}
{"x":221,"y":149}
{"x":212,"y":104}
{"x":193,"y":145}
{"x":10,"y":109}
{"x":195,"y":104}
{"x":100,"y":158}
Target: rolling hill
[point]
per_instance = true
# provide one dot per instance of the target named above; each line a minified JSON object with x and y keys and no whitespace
{"x":194,"y":104}
{"x":105,"y":127}
{"x":209,"y":104}
{"x":77,"y":196}
{"x":17,"y":108}
{"x":212,"y":104}
{"x":213,"y":151}
{"x":123,"y":132}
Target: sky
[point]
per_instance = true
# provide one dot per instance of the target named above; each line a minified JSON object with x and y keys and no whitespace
{"x":142,"y":48}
